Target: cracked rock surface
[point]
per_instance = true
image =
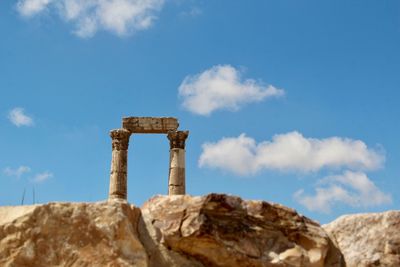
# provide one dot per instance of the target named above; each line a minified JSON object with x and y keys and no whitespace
{"x":212,"y":230}
{"x":370,"y":239}
{"x":222,"y":230}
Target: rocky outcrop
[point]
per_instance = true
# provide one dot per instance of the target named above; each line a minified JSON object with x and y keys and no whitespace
{"x":221,"y":230}
{"x":371,"y":239}
{"x":185,"y":231}
{"x":71,"y":234}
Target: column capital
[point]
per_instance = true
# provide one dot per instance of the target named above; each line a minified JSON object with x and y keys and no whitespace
{"x":120,"y":139}
{"x":177,"y":139}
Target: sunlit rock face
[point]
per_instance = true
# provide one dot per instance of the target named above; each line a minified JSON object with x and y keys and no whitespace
{"x":184,"y":231}
{"x":70,"y":234}
{"x":371,"y":239}
{"x":221,"y":230}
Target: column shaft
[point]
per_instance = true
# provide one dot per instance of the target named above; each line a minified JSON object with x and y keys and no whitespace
{"x":119,"y":164}
{"x":176,"y":178}
{"x":176,"y":182}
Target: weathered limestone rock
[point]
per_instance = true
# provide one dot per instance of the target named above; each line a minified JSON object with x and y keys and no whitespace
{"x":169,"y":231}
{"x":176,"y":177}
{"x":119,"y":164}
{"x":111,"y":234}
{"x":71,"y":234}
{"x":221,"y":230}
{"x":150,"y":124}
{"x":371,"y":239}
{"x":160,"y":255}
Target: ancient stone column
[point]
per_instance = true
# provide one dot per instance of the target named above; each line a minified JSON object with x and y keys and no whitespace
{"x":119,"y":165}
{"x":176,"y":179}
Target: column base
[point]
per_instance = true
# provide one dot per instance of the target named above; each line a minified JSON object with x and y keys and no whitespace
{"x":115,"y":198}
{"x":176,"y":190}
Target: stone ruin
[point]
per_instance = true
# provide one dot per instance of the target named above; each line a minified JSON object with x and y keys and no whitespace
{"x":147,"y":125}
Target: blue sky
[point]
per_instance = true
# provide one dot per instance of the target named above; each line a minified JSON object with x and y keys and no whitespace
{"x":294,"y":102}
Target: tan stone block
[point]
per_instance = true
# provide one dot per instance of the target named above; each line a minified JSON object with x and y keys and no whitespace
{"x":150,"y":124}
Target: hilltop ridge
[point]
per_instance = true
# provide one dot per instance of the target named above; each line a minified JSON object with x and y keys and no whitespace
{"x":210,"y":230}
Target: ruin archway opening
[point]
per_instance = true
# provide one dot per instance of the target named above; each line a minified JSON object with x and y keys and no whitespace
{"x":148,"y":163}
{"x":121,"y":138}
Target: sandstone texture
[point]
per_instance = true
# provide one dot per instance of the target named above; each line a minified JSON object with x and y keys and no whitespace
{"x":179,"y":230}
{"x":221,"y":230}
{"x":371,"y":239}
{"x":70,"y":234}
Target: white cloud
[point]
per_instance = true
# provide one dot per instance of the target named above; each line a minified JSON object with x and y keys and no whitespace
{"x":221,"y":87}
{"x":288,"y":152}
{"x":192,"y":12}
{"x":30,"y":8}
{"x":16,"y":172}
{"x":121,"y":17}
{"x":41,"y":177}
{"x":19,"y":118}
{"x":236,"y":155}
{"x":21,"y":170}
{"x":352,"y":188}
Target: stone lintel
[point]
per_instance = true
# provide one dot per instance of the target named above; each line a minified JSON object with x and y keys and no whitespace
{"x":150,"y":124}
